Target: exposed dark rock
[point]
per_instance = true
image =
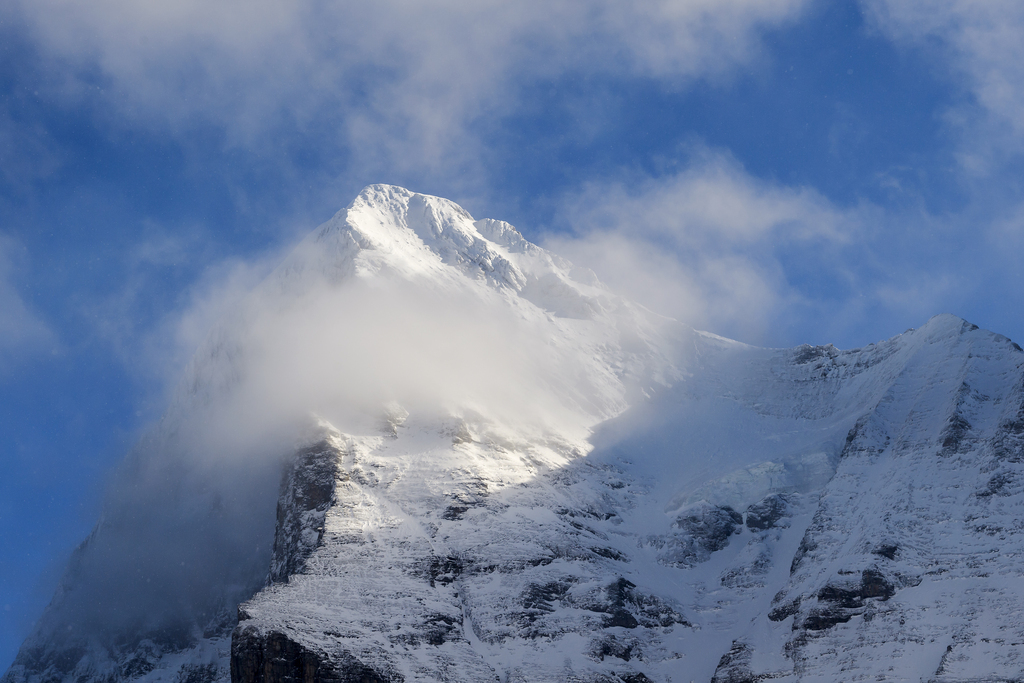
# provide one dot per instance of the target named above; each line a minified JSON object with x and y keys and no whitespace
{"x":541,"y":597}
{"x":444,"y":570}
{"x":822,"y":618}
{"x":141,"y":662}
{"x":307,"y":490}
{"x":610,"y":553}
{"x":807,"y":545}
{"x":625,"y":606}
{"x":621,"y":618}
{"x":767,"y":512}
{"x":851,"y":437}
{"x":838,"y":603}
{"x":749,"y":575}
{"x":997,"y":485}
{"x":886,"y":550}
{"x":619,"y":593}
{"x":703,"y":529}
{"x":635,"y":678}
{"x":273,"y":657}
{"x":198,"y":673}
{"x":785,"y":610}
{"x":610,"y":646}
{"x":454,"y":512}
{"x":808,"y":354}
{"x":734,"y":666}
{"x":953,"y":435}
{"x":432,"y":629}
{"x":874,"y":585}
{"x":843,"y":597}
{"x":711,"y":526}
{"x":440,"y":628}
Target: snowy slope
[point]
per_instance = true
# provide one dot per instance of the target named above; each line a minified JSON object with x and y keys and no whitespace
{"x":512,"y":474}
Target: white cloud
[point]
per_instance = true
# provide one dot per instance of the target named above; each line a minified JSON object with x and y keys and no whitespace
{"x":705,"y":245}
{"x":402,"y":80}
{"x":156,"y":349}
{"x":22,"y":332}
{"x":766,"y":263}
{"x":983,"y":41}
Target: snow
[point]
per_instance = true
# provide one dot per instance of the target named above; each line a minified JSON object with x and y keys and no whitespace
{"x":594,"y":523}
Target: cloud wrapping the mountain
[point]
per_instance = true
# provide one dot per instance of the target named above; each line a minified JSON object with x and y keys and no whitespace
{"x":705,"y":244}
{"x":720,"y":249}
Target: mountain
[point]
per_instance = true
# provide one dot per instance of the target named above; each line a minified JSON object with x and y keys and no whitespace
{"x":425,"y":449}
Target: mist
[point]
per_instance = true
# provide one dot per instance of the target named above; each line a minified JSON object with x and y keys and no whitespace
{"x":188,"y":525}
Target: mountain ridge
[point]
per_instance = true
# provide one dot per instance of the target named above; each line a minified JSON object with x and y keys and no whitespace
{"x":425,"y":449}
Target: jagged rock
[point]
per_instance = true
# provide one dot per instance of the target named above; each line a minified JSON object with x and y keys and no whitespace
{"x":785,"y":610}
{"x":307,"y":491}
{"x":274,"y":657}
{"x":734,"y":666}
{"x":612,"y":646}
{"x":766,"y":513}
{"x":702,"y":530}
{"x":886,"y":550}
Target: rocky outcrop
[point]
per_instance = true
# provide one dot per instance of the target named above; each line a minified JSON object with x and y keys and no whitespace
{"x":767,"y":512}
{"x":701,"y":529}
{"x":307,"y":492}
{"x":734,"y":666}
{"x":275,"y":657}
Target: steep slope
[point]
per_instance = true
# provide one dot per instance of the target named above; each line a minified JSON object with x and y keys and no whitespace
{"x":400,"y":303}
{"x":515,"y":475}
{"x":748,"y":524}
{"x":909,"y":567}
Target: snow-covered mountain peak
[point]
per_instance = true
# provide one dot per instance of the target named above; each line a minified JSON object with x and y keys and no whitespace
{"x":388,"y":231}
{"x":411,"y":229}
{"x":394,"y":234}
{"x":425,"y":449}
{"x":412,"y":300}
{"x":950,"y":329}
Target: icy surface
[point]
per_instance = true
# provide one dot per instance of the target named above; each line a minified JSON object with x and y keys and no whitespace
{"x":683,"y":508}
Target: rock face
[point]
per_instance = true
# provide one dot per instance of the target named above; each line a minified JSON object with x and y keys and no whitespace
{"x":399,"y":588}
{"x":307,"y":492}
{"x":727,"y":514}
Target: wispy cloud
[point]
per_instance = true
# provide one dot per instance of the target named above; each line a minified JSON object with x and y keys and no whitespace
{"x":398,"y":82}
{"x":704,"y":244}
{"x":722,"y":250}
{"x":982,"y":44}
{"x":23,"y":333}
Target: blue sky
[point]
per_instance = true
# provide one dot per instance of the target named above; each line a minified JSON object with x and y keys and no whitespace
{"x":778,"y":171}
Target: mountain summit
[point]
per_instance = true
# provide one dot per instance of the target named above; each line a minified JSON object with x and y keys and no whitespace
{"x":425,"y":449}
